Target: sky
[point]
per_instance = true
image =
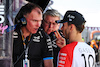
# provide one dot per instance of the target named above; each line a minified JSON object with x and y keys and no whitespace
{"x":90,"y":9}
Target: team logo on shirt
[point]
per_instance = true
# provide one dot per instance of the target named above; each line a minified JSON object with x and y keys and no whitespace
{"x":36,"y":39}
{"x":15,"y":34}
{"x":49,"y":43}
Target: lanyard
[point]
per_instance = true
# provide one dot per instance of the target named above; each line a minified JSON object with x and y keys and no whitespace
{"x":26,"y":49}
{"x":25,"y":39}
{"x":26,"y":61}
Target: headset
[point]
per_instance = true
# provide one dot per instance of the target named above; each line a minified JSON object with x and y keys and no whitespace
{"x":23,"y":21}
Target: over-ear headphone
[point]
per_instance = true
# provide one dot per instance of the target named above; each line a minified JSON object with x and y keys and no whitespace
{"x":23,"y":21}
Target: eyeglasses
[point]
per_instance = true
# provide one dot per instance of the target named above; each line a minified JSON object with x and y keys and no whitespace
{"x":49,"y":23}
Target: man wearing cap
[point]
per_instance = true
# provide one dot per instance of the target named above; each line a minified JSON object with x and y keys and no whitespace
{"x":77,"y":53}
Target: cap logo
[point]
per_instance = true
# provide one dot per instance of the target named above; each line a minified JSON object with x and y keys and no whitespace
{"x":71,"y":17}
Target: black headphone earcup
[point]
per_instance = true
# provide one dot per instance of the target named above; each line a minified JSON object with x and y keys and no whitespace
{"x":23,"y":21}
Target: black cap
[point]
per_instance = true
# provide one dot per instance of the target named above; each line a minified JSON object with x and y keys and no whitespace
{"x":74,"y":17}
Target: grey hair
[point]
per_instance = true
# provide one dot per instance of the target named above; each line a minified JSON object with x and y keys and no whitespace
{"x":52,"y":12}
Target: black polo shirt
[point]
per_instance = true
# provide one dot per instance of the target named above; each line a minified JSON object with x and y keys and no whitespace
{"x":40,"y":48}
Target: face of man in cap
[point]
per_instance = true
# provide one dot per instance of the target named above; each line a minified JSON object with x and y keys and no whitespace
{"x":65,"y":30}
{"x":68,"y":30}
{"x":72,"y":21}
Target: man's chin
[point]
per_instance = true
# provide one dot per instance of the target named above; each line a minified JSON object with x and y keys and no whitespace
{"x":34,"y":32}
{"x":48,"y":33}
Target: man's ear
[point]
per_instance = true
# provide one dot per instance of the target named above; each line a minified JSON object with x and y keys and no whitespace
{"x":72,"y":26}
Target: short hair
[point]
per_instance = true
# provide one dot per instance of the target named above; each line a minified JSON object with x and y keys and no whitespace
{"x":79,"y":28}
{"x":52,"y":12}
{"x":25,"y":10}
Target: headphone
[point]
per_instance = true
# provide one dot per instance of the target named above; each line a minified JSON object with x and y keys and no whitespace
{"x":23,"y":21}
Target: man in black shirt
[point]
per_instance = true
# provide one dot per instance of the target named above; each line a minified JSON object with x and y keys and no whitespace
{"x":31,"y":44}
{"x":49,"y":26}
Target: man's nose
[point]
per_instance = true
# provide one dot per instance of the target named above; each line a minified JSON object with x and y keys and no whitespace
{"x":38,"y":24}
{"x":50,"y":25}
{"x":62,"y":28}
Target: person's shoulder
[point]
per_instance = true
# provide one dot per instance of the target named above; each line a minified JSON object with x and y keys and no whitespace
{"x":73,"y":44}
{"x":84,"y":45}
{"x":70,"y":46}
{"x":16,"y":32}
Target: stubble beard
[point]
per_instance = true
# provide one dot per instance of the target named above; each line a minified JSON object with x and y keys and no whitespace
{"x":67,"y":34}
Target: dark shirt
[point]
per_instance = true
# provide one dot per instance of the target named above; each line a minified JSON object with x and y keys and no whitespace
{"x":39,"y":48}
{"x":56,"y":49}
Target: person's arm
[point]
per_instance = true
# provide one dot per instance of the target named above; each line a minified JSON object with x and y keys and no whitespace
{"x":61,"y":42}
{"x":64,"y":60}
{"x":47,"y":51}
{"x":48,"y":63}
